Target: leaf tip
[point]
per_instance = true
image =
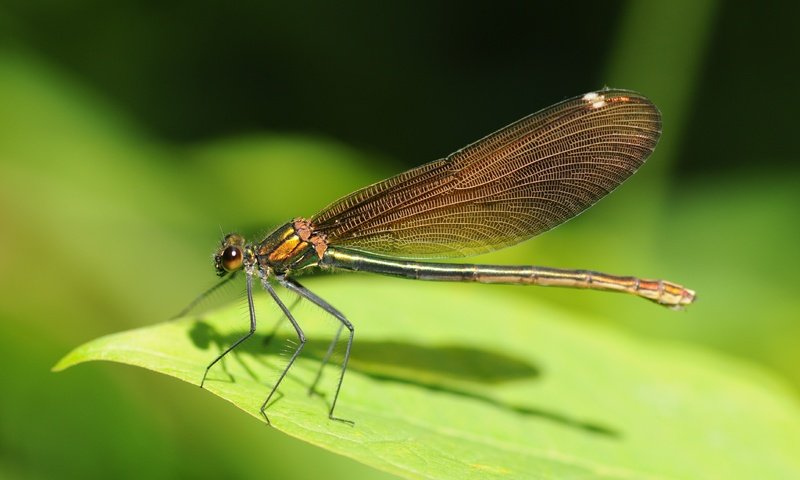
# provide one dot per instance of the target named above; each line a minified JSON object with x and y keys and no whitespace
{"x":66,"y":361}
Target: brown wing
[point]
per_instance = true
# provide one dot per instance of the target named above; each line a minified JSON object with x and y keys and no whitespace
{"x":505,"y":188}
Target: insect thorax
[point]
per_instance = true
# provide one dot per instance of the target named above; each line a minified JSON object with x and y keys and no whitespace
{"x":293,"y":246}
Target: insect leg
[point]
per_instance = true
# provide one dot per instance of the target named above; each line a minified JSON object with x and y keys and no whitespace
{"x":325,"y":359}
{"x":204,"y":295}
{"x":249,"y":278}
{"x":294,"y":286}
{"x":268,"y":338}
{"x":300,"y":337}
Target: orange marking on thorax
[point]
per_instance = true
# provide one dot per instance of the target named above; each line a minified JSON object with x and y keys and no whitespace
{"x":320,"y":244}
{"x":306,"y":233}
{"x":285,"y":249}
{"x":302,"y":228}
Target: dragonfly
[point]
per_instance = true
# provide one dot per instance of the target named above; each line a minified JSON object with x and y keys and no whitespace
{"x":507,"y":187}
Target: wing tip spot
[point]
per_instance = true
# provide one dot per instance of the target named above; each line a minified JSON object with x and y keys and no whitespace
{"x":595,"y":99}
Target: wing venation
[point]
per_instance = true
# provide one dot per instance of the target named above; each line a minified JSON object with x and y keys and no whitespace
{"x":507,"y":187}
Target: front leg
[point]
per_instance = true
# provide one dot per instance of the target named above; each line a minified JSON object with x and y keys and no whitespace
{"x":249,"y":278}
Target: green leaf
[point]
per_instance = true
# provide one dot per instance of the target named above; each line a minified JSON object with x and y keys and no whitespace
{"x":468,"y":381}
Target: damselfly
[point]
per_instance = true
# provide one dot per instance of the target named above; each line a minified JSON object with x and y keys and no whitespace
{"x":505,"y":188}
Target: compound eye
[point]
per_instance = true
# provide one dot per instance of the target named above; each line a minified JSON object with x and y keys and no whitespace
{"x":232,"y":259}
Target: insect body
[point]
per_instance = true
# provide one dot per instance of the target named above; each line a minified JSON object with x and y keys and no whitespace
{"x":503,"y":189}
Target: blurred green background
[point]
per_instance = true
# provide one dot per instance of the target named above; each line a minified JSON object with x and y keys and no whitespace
{"x":130,"y":133}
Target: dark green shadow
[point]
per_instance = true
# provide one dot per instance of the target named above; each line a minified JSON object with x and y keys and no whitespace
{"x":459,"y":370}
